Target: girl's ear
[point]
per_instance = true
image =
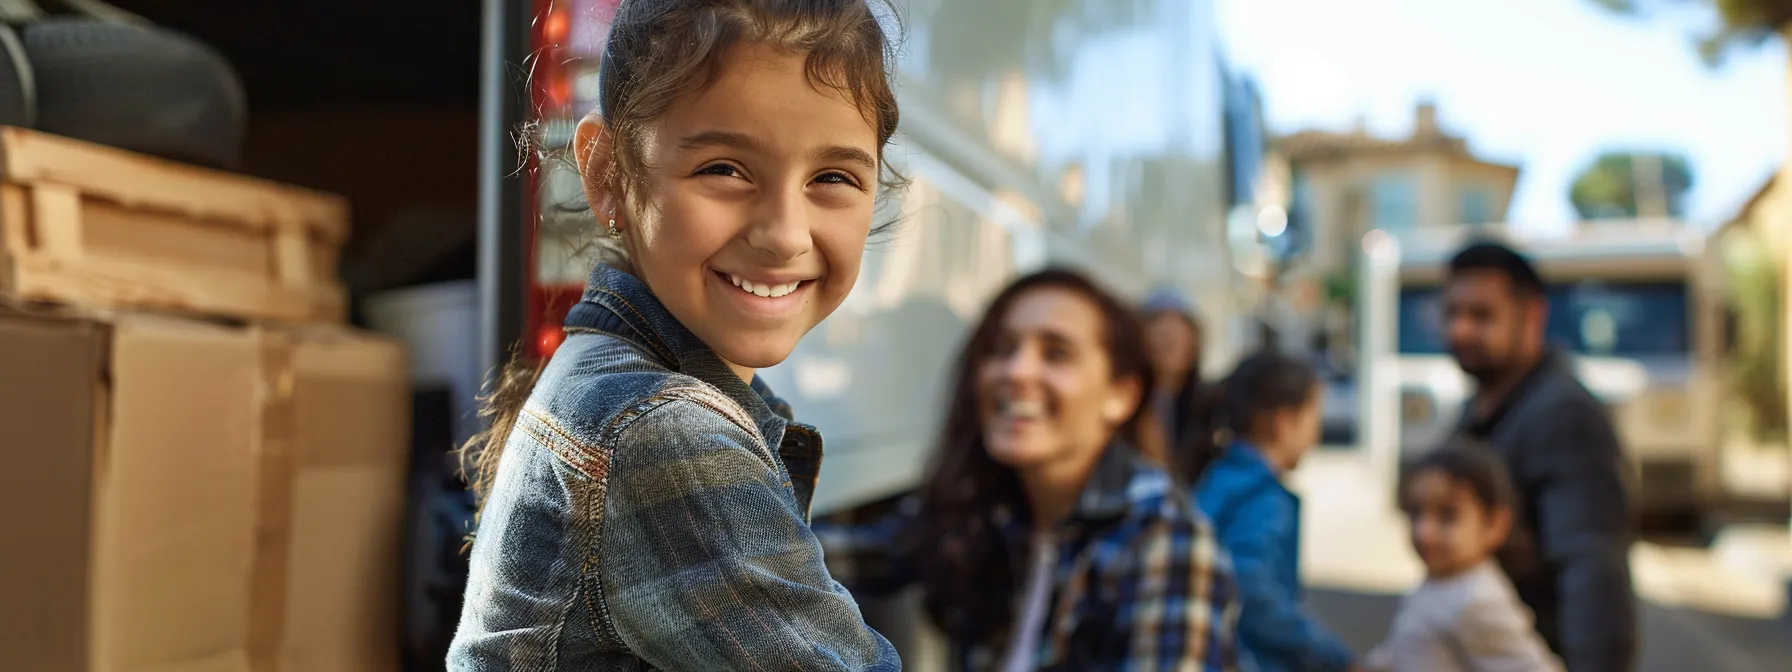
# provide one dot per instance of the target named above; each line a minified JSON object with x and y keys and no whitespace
{"x":1499,"y":526}
{"x":592,"y":153}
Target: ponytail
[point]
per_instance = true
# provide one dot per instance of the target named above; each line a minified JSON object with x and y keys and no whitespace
{"x":500,"y":406}
{"x":1207,"y":436}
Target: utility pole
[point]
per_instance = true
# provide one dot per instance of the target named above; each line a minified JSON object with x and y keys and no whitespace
{"x":1378,"y":385}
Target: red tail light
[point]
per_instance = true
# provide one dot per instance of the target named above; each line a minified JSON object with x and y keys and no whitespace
{"x":555,"y":27}
{"x":549,"y":305}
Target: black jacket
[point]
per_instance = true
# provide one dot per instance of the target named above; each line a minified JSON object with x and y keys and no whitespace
{"x":1571,"y":475}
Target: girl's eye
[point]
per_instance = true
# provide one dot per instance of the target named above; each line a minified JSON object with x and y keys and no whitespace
{"x":837,"y":177}
{"x":721,"y":169}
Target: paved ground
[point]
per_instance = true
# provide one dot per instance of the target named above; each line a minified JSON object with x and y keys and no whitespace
{"x":1674,"y":640}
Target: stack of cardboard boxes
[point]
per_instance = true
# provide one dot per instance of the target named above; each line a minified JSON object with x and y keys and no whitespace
{"x":201,"y":468}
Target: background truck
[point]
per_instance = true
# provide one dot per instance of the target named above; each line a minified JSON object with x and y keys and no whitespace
{"x":1640,"y":308}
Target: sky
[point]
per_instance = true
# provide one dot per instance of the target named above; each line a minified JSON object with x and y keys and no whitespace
{"x":1546,"y":84}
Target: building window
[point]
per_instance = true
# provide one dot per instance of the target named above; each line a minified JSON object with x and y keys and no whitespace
{"x":1474,"y":205}
{"x":1393,"y":203}
{"x":1300,"y":210}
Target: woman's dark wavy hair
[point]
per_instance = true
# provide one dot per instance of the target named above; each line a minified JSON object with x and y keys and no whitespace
{"x":1263,"y":383}
{"x":660,"y":50}
{"x":966,"y":573}
{"x":1473,"y":464}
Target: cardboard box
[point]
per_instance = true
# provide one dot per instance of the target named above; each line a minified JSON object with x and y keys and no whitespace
{"x":199,"y":497}
{"x":89,"y":225}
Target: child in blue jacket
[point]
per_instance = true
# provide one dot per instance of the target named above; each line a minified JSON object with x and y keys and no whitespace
{"x":1268,"y":412}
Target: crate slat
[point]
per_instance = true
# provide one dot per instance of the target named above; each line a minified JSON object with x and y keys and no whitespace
{"x":97,"y":226}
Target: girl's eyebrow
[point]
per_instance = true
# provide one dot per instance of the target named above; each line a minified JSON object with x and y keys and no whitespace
{"x":720,"y":139}
{"x":847,"y":154}
{"x":748,"y":143}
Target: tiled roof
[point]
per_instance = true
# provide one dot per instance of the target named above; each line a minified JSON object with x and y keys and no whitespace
{"x":1325,"y":144}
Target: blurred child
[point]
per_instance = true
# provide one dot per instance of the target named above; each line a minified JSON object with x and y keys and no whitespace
{"x":1466,"y":615}
{"x":1270,"y":407}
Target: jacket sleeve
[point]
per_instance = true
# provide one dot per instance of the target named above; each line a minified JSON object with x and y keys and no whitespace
{"x":869,"y":557}
{"x":1584,"y":532}
{"x":706,"y":562}
{"x":1177,"y":608}
{"x":1273,"y":618}
{"x":1498,"y":637}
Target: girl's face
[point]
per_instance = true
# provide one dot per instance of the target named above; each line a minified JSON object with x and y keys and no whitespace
{"x":1046,"y":392}
{"x":1452,"y":530}
{"x":758,"y":200}
{"x":1173,"y":344}
{"x":1296,"y":429}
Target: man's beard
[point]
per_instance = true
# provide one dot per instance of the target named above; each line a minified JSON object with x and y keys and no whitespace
{"x":1487,"y":370}
{"x":1494,"y":368}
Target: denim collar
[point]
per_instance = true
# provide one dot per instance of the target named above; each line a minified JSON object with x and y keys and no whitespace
{"x":618,"y":304}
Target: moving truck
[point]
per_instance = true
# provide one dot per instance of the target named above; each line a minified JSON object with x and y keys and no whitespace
{"x":1105,"y":136}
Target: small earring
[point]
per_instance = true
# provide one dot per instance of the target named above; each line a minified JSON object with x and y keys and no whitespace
{"x":614,"y":232}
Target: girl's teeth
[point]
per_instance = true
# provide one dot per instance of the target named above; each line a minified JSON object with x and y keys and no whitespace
{"x":1025,"y":409}
{"x":762,"y":289}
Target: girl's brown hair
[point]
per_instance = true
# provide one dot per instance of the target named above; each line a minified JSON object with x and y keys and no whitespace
{"x":966,"y":574}
{"x":662,"y":50}
{"x":1265,"y":382}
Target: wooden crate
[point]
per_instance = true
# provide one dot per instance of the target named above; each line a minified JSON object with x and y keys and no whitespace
{"x":90,"y":225}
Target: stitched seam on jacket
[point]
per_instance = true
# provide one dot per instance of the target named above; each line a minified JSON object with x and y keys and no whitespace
{"x":594,"y":465}
{"x":705,"y":396}
{"x":595,"y":604}
{"x":583,"y":458}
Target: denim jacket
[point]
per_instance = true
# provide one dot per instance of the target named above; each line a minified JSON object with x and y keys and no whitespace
{"x":650,"y":511}
{"x":1259,"y":524}
{"x":1139,"y":584}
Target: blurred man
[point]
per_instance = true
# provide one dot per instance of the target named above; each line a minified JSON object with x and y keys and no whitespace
{"x":1563,"y":454}
{"x":1174,"y":335}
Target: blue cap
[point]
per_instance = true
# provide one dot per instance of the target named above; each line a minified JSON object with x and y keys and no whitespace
{"x":1167,"y":300}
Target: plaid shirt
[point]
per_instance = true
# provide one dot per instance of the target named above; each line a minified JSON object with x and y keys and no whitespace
{"x":1140,"y":582}
{"x":650,"y":511}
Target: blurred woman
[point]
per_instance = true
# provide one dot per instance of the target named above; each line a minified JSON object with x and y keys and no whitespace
{"x":1268,"y":410}
{"x":1173,"y":334}
{"x":1046,"y":538}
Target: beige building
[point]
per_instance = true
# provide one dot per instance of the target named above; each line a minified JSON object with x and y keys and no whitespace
{"x":1345,"y":184}
{"x":1340,"y":186}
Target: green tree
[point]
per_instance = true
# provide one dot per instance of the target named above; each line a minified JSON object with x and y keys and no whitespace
{"x":1608,"y":189}
{"x":1755,"y":358}
{"x":1745,"y":22}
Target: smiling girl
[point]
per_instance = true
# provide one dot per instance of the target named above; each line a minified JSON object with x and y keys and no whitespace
{"x":647,"y":507}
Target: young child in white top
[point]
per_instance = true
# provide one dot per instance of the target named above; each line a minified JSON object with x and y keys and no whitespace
{"x":1466,"y":616}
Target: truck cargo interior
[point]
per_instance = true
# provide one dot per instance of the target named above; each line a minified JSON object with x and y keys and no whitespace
{"x":375,"y":101}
